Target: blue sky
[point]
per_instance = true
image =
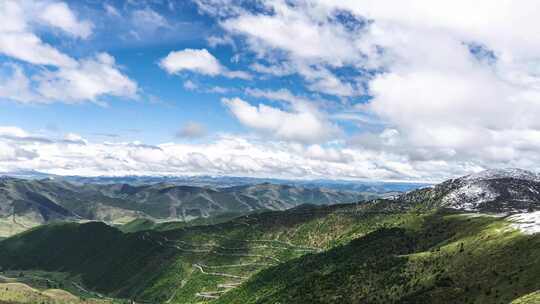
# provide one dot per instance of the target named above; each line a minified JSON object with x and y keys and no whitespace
{"x":295,"y":89}
{"x":163,"y":104}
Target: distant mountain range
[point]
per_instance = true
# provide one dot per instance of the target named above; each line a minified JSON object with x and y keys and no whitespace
{"x":28,"y":202}
{"x":379,"y":187}
{"x":474,"y":239}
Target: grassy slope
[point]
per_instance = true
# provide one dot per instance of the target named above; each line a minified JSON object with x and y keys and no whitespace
{"x":143,"y":224}
{"x":412,"y":262}
{"x":101,"y":256}
{"x":159,"y":265}
{"x":531,"y":298}
{"x":18,"y":293}
{"x":345,"y":253}
{"x":264,"y":239}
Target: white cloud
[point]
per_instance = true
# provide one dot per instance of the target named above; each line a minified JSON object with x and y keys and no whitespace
{"x":296,"y":40}
{"x":214,"y":41}
{"x":111,"y":10}
{"x":225,"y":155}
{"x":74,"y":138}
{"x":14,"y":85}
{"x":58,"y":14}
{"x":301,"y":35}
{"x":447,"y":104}
{"x":12,"y":131}
{"x":192,"y":130}
{"x":275,"y":70}
{"x":303,"y":124}
{"x":94,"y":77}
{"x":190,"y":85}
{"x":280,"y":95}
{"x":198,"y":61}
{"x":89,"y":80}
{"x":148,"y":20}
{"x":28,"y":47}
{"x":59,"y":77}
{"x":322,"y":80}
{"x":240,"y":156}
{"x":18,"y":40}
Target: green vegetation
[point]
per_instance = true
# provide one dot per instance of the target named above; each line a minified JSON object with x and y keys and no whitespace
{"x":365,"y":253}
{"x":448,"y":258}
{"x":142,"y":224}
{"x":531,"y":298}
{"x":28,"y":203}
{"x":105,"y":259}
{"x":179,"y":262}
{"x":19,"y":293}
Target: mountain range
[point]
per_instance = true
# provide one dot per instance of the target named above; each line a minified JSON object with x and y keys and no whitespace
{"x":28,"y":202}
{"x":379,"y":187}
{"x":473,"y":239}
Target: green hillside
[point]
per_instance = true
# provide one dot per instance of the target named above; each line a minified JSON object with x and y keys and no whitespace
{"x":379,"y":252}
{"x":18,"y":293}
{"x":441,"y":258}
{"x":178,"y":263}
{"x":25,"y":204}
{"x":102,"y":257}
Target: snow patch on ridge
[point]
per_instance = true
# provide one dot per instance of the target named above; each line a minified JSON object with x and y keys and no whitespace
{"x":503,"y":173}
{"x":469,"y":196}
{"x":528,"y":223}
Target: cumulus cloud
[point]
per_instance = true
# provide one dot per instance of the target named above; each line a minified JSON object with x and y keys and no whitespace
{"x":93,"y":77}
{"x":225,"y":155}
{"x":59,"y":15}
{"x":301,"y":124}
{"x":441,"y":89}
{"x":90,"y":79}
{"x":28,"y":47}
{"x":190,"y":85}
{"x":240,"y":156}
{"x":18,"y":40}
{"x":294,"y":32}
{"x":59,"y":77}
{"x":441,"y":95}
{"x":301,"y":40}
{"x":15,"y":85}
{"x":146,"y":21}
{"x":197,"y":61}
{"x":191,"y":130}
{"x":111,"y":10}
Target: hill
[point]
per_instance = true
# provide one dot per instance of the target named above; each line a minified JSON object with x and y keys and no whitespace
{"x":185,"y":264}
{"x":492,"y":191}
{"x":465,"y":244}
{"x":27,"y":203}
{"x":416,"y":248}
{"x":444,"y":257}
{"x":377,"y":187}
{"x":18,"y":293}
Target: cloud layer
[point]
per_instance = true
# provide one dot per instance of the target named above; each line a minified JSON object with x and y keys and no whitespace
{"x":442,"y":89}
{"x":224,"y":155}
{"x":319,"y":88}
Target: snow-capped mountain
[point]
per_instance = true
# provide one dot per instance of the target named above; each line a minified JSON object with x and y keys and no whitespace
{"x":497,"y":191}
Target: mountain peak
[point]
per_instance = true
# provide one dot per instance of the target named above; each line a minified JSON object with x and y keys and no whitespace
{"x":514,"y":173}
{"x":496,"y":191}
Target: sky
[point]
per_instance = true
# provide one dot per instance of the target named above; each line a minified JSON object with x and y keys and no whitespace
{"x":352,"y":89}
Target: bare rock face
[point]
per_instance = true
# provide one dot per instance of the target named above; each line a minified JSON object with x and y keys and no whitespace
{"x":494,"y":191}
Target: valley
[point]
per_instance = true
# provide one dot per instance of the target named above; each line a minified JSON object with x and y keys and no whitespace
{"x":426,"y":246}
{"x":26,"y":203}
